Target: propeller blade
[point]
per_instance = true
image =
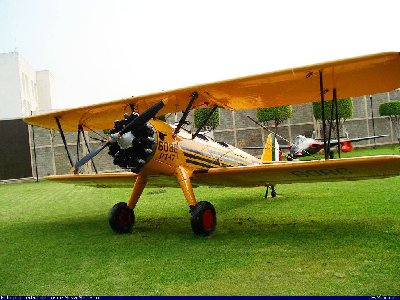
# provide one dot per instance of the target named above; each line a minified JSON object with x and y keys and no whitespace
{"x":136,"y":123}
{"x":89,"y":156}
{"x":144,"y":117}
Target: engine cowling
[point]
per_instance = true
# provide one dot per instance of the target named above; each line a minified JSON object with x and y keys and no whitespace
{"x":346,"y":146}
{"x":135,"y":148}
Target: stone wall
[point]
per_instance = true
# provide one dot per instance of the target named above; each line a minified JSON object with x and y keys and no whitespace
{"x":235,"y":129}
{"x":238,"y":130}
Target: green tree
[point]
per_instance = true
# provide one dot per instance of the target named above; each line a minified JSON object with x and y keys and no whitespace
{"x":277,"y":115}
{"x":392,"y":110}
{"x":345,"y":111}
{"x":201,"y":113}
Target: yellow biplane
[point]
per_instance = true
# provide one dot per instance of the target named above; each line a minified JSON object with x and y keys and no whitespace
{"x":158,"y":154}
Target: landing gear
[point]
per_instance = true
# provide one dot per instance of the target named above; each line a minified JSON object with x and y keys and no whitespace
{"x":273,"y":192}
{"x":203,"y":218}
{"x":121,"y":218}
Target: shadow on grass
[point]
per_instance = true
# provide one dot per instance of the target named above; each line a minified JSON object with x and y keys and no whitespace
{"x":287,"y":230}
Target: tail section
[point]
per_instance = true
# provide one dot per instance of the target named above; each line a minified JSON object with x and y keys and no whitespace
{"x":271,"y":150}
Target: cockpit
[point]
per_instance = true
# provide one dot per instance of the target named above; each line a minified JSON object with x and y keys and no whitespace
{"x":300,"y":139}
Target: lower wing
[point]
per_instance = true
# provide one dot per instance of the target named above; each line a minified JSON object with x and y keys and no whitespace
{"x":351,"y":169}
{"x":302,"y":171}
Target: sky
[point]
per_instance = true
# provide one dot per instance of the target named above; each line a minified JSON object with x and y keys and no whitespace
{"x":102,"y":50}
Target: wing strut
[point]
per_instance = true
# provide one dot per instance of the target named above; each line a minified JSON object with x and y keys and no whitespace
{"x":80,"y":128}
{"x":64,"y":140}
{"x":78,"y":143}
{"x":331,"y":121}
{"x":205,"y":121}
{"x":186,"y":112}
{"x":334,"y":106}
{"x":321,"y":88}
{"x":337,"y":121}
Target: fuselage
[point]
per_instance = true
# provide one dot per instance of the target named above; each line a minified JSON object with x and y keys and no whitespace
{"x":193,"y":154}
{"x":303,"y":146}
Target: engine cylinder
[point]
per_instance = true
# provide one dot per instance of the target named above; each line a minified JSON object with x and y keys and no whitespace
{"x":135,"y":148}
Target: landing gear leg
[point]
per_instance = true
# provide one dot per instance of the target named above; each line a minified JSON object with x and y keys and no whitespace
{"x":122,"y":216}
{"x":266,"y":192}
{"x":203,"y":217}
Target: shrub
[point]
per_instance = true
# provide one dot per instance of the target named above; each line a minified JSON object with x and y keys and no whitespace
{"x":201,"y":113}
{"x":276,"y":114}
{"x":345,"y":111}
{"x":389,"y":109}
{"x":392,"y":110}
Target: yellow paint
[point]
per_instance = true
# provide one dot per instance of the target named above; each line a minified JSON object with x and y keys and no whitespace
{"x":183,"y":177}
{"x":357,"y":168}
{"x":137,"y":190}
{"x":268,"y":148}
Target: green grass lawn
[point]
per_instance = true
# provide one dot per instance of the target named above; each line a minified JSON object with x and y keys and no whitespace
{"x":313,"y":239}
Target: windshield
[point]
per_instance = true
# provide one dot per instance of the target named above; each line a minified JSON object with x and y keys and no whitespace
{"x":299,"y":139}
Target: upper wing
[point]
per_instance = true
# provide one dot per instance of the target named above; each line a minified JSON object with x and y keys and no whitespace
{"x":350,"y":77}
{"x":302,"y":171}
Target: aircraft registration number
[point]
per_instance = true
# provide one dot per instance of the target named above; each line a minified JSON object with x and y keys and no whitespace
{"x":169,"y":151}
{"x":322,"y":172}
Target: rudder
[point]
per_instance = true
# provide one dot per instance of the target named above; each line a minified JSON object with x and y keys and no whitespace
{"x":271,"y":150}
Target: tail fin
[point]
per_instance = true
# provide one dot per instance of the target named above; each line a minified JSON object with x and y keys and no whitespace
{"x":271,"y":150}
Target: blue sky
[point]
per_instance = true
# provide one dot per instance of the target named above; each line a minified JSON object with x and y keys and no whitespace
{"x":106,"y":50}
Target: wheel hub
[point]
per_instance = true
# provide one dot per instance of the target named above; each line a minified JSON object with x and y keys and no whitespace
{"x":208,"y":219}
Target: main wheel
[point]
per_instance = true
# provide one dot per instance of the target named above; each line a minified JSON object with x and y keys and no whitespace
{"x":121,"y":218}
{"x":203,"y":218}
{"x":331,"y":154}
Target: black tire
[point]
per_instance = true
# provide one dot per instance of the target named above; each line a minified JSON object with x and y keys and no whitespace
{"x":331,"y":154}
{"x":121,"y":218}
{"x":203,"y":218}
{"x":289,"y":157}
{"x":273,"y":194}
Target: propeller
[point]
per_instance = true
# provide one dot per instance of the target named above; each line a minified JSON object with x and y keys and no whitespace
{"x":137,"y":123}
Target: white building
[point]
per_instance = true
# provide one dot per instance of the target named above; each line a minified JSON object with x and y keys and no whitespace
{"x":22,"y":89}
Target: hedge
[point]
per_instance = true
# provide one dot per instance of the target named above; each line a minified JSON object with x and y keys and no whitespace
{"x":391,"y":108}
{"x":277,"y":114}
{"x":345,"y":109}
{"x":201,"y":113}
